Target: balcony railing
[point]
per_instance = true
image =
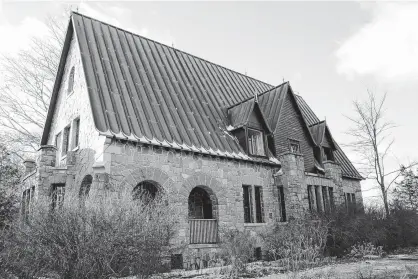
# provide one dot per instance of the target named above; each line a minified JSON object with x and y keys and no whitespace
{"x":203,"y":231}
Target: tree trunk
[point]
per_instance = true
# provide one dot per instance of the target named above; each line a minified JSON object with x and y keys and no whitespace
{"x":385,"y":201}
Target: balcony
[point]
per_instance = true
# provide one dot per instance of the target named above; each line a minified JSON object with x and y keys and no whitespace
{"x":203,"y":231}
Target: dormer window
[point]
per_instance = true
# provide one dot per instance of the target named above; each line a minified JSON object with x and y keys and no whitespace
{"x":256,"y":142}
{"x":294,"y":146}
{"x":328,"y":154}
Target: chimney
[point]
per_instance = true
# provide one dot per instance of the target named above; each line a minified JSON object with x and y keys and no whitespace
{"x":30,"y":166}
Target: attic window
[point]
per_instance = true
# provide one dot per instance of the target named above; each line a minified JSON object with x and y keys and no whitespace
{"x":328,"y":154}
{"x":70,"y":81}
{"x":256,"y":142}
{"x":294,"y":146}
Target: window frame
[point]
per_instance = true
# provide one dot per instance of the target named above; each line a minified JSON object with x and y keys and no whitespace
{"x":65,"y":141}
{"x":263,"y":138}
{"x":76,"y":133}
{"x":282,"y":204}
{"x":325,"y":154}
{"x":258,"y":204}
{"x":247,"y":205}
{"x":54,"y":201}
{"x":70,"y":81}
{"x":294,"y":142}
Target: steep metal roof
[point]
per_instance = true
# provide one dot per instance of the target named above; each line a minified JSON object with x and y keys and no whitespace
{"x":146,"y":91}
{"x":149,"y":92}
{"x":348,"y":169}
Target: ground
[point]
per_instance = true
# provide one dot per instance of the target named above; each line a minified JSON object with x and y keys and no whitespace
{"x":400,"y":266}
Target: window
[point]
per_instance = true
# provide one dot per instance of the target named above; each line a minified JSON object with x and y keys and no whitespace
{"x":328,"y":154}
{"x":294,"y":146}
{"x":311,"y":198}
{"x":57,"y":140}
{"x":256,"y":142}
{"x":318,"y":198}
{"x":325,"y":199}
{"x":350,"y":202}
{"x":258,"y":254}
{"x":58,"y":192}
{"x":282,"y":205}
{"x":76,"y":132}
{"x":70,"y":81}
{"x":65,"y":140}
{"x":247,"y":203}
{"x":331,"y":198}
{"x":259,"y":206}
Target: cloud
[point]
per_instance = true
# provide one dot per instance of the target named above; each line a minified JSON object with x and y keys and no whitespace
{"x":18,"y":36}
{"x":386,"y":47}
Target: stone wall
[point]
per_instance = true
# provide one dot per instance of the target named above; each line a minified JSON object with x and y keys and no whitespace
{"x":179,"y":172}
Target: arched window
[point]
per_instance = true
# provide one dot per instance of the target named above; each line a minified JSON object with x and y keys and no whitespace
{"x":70,"y":81}
{"x":85,"y":187}
{"x":200,"y":204}
{"x":146,"y":191}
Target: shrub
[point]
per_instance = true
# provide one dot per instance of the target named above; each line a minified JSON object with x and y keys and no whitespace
{"x":297,"y":244}
{"x":110,"y":237}
{"x":395,"y":231}
{"x":237,"y":249}
{"x":362,"y":249}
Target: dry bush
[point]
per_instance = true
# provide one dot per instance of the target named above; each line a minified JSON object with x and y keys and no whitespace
{"x":395,"y":231}
{"x":297,"y":244}
{"x":237,"y":249}
{"x":104,"y":238}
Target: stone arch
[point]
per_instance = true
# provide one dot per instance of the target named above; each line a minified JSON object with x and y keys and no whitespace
{"x":146,"y":191}
{"x":202,"y":203}
{"x":207,"y":183}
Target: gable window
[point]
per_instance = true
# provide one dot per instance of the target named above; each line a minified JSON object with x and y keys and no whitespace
{"x":256,"y":142}
{"x":247,"y":203}
{"x":58,"y":192}
{"x":66,"y":140}
{"x":70,"y":87}
{"x":294,"y":146}
{"x":282,"y":205}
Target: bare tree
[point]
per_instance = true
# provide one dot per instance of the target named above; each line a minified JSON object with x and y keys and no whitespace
{"x":373,"y":142}
{"x":28,"y":80}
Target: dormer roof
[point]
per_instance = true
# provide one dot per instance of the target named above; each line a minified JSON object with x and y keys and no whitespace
{"x":239,"y":114}
{"x":321,"y":133}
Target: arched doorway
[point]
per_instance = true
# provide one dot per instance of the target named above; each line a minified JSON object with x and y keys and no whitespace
{"x":203,"y":215}
{"x":146,"y":191}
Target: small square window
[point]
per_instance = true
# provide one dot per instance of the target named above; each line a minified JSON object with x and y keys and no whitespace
{"x":294,"y":146}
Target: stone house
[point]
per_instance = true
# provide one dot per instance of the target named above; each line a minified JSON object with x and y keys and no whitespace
{"x":236,"y":151}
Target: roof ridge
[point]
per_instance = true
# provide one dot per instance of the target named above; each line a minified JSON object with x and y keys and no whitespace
{"x":262,"y":93}
{"x":176,"y":49}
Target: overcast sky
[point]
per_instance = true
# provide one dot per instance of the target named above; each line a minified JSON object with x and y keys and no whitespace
{"x":331,"y":52}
